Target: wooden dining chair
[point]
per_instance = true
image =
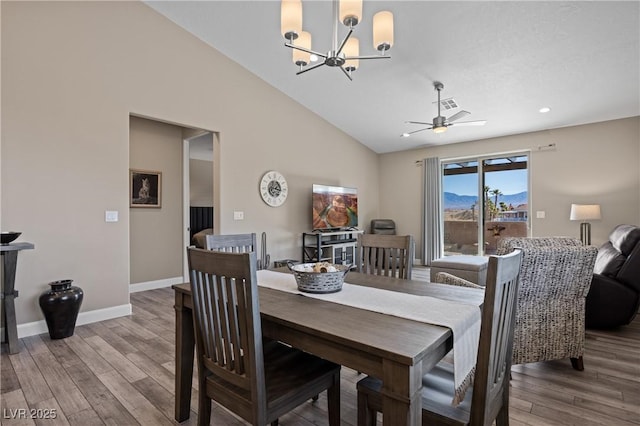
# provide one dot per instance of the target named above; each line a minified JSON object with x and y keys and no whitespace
{"x":259,"y":380}
{"x":234,"y":243}
{"x":488,"y":400}
{"x":390,"y":255}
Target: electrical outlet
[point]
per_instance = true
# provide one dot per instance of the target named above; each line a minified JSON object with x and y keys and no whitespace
{"x":238,"y":215}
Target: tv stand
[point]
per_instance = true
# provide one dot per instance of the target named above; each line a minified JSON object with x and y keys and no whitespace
{"x":333,"y":246}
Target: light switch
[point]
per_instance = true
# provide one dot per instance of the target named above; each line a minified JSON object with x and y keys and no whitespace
{"x":238,"y":215}
{"x":111,"y":216}
{"x":540,"y":214}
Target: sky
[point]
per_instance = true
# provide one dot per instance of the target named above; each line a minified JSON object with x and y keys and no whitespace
{"x":508,"y":182}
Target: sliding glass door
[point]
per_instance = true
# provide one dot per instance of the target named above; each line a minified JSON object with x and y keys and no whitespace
{"x":484,"y":199}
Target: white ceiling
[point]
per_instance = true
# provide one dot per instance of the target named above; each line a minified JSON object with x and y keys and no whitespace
{"x":502,"y":61}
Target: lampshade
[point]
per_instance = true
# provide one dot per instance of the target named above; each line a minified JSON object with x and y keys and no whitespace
{"x":585,"y":212}
{"x":383,"y":30}
{"x":291,"y":18}
{"x":352,"y":48}
{"x":302,"y":58}
{"x":350,"y":12}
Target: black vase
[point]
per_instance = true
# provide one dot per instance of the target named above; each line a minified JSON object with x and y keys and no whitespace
{"x":60,"y":306}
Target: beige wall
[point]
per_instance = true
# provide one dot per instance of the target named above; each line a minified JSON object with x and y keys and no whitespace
{"x":73,"y":73}
{"x":155,"y":235}
{"x":591,"y":164}
{"x":201,"y":182}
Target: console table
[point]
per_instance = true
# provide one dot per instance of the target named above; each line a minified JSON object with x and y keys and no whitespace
{"x":9,"y":254}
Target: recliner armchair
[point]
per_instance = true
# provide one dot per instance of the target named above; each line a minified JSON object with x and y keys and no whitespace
{"x":614,"y":297}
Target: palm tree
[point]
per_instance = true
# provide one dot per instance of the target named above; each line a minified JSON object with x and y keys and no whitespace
{"x":496,"y":192}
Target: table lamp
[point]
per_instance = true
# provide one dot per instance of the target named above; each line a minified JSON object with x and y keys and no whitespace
{"x":584,"y":212}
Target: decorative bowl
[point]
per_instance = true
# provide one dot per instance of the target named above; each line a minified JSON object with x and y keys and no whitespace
{"x":7,"y":237}
{"x":319,"y":282}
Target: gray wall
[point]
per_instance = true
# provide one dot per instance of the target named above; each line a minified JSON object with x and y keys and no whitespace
{"x":155,"y":236}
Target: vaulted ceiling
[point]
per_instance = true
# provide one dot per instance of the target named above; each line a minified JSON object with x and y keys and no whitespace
{"x":501,"y":61}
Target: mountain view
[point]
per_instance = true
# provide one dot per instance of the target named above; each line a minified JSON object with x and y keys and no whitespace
{"x":453,"y":201}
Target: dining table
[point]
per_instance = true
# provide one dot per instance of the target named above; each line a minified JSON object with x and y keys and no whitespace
{"x":397,"y":350}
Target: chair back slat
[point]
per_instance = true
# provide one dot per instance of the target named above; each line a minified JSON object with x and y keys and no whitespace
{"x":389,"y":255}
{"x":491,"y":381}
{"x":232,"y":243}
{"x":227,"y":315}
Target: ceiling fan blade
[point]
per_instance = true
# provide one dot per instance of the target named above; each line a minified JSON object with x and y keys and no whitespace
{"x":418,"y":122}
{"x":457,"y":116}
{"x":470,"y":123}
{"x":404,"y":135}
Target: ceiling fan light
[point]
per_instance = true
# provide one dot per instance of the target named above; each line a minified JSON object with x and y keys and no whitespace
{"x":300,"y":57}
{"x":350,"y":12}
{"x":440,"y":129}
{"x":383,"y":30}
{"x":352,"y":48}
{"x":291,"y":19}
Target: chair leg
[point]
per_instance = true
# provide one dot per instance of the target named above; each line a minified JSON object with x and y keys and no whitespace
{"x":333,"y":401}
{"x":502,"y":419}
{"x":204,"y":408}
{"x":577,"y":363}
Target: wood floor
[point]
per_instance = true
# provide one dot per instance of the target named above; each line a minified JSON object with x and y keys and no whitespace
{"x":120,"y":372}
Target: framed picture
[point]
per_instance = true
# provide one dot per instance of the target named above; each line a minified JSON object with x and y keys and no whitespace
{"x":145,"y":188}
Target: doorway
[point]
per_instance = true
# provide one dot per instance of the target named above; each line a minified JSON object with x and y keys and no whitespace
{"x":200,"y":194}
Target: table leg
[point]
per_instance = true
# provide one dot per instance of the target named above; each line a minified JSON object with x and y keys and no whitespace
{"x":9,"y":261}
{"x":184,"y":359}
{"x":401,"y":399}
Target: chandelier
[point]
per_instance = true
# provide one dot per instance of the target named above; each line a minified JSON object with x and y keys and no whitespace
{"x":344,"y":55}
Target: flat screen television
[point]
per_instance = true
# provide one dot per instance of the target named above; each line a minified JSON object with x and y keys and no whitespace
{"x":334,"y":207}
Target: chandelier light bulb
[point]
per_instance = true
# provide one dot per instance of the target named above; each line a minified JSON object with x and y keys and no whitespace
{"x":300,"y":57}
{"x":352,"y":48}
{"x":383,"y":30}
{"x":291,"y":19}
{"x":350,"y":12}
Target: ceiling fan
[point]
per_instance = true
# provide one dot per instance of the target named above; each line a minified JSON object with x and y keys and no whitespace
{"x":441,"y":123}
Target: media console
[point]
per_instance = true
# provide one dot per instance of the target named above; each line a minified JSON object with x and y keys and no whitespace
{"x":337,"y":247}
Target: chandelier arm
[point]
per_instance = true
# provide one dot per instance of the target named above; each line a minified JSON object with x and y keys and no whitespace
{"x":339,"y":50}
{"x":346,"y":58}
{"x":310,"y":68}
{"x":346,"y":73}
{"x":313,"y":52}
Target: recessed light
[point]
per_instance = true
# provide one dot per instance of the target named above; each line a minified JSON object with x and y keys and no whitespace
{"x":544,"y":109}
{"x":313,"y":58}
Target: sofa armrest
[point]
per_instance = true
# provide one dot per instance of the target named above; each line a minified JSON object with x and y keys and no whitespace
{"x":446,"y":278}
{"x":610,"y":303}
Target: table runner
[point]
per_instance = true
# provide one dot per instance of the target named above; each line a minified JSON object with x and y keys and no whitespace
{"x":462,"y":319}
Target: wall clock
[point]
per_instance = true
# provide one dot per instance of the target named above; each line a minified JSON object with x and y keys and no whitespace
{"x":273,"y":188}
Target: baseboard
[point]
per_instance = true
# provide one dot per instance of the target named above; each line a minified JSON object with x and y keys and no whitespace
{"x":151,"y":285}
{"x":39,"y":327}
